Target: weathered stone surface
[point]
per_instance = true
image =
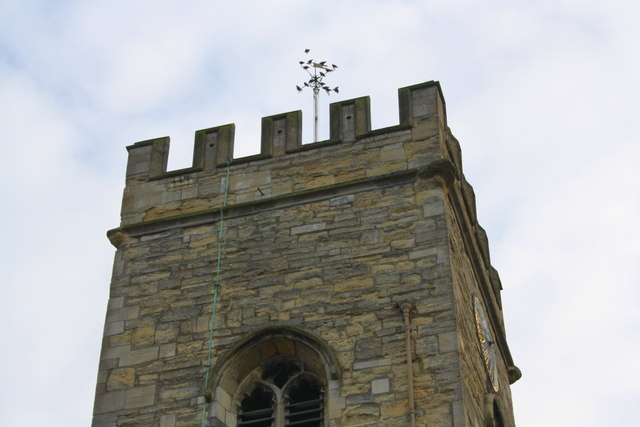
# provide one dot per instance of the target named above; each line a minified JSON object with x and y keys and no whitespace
{"x":109,"y":402}
{"x":371,"y":364}
{"x":330,"y":239}
{"x":380,"y":385}
{"x":140,"y":396}
{"x":121,"y":378}
{"x":168,"y":421}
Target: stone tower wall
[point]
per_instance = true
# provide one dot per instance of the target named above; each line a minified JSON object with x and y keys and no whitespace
{"x":324,"y":240}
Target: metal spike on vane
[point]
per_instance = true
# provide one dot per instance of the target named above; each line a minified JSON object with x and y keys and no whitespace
{"x":315,"y":82}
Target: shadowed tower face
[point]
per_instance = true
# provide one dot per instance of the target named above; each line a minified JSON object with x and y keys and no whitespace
{"x":341,"y":283}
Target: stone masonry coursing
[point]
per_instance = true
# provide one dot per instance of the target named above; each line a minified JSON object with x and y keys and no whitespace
{"x":328,"y":238}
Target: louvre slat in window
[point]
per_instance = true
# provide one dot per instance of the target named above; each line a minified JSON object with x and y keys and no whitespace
{"x":306,"y":403}
{"x":258,"y":418}
{"x":305,"y":414}
{"x":257,"y":411}
{"x":314,"y":422}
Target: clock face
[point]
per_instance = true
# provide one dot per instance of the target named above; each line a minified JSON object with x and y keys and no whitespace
{"x":487,"y":342}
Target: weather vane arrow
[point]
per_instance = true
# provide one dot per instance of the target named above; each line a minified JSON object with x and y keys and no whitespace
{"x":317,"y":72}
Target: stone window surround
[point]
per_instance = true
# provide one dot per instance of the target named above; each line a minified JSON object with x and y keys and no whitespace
{"x":240,"y":367}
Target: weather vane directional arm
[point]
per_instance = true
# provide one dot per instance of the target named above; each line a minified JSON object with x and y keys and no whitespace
{"x":320,"y":70}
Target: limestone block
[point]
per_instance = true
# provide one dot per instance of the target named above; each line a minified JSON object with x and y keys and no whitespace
{"x":124,"y":313}
{"x":140,"y":396}
{"x":447,"y":341}
{"x":104,"y":420}
{"x":218,"y":411}
{"x":367,"y":364}
{"x":392,"y":152}
{"x":110,"y":401}
{"x":168,"y":421}
{"x":121,"y":378}
{"x":308,"y":228}
{"x":166,"y":332}
{"x":114,"y":352}
{"x":113,"y":328}
{"x":143,"y":336}
{"x":223,"y":397}
{"x":362,"y":415}
{"x":380,"y":385}
{"x":139,"y":356}
{"x":180,"y":390}
{"x":167,"y":350}
{"x":115,"y":302}
{"x":243,"y":181}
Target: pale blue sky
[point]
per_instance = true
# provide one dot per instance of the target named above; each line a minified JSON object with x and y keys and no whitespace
{"x":543,"y":97}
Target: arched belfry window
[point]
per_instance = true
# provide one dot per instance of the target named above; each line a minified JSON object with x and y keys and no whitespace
{"x":279,"y":377}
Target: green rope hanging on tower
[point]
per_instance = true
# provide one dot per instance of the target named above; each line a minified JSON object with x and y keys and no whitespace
{"x":216,"y":291}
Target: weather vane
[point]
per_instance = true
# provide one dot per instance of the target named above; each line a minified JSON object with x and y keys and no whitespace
{"x":320,"y":70}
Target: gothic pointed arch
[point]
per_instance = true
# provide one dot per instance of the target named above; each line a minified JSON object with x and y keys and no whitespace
{"x":272,"y":374}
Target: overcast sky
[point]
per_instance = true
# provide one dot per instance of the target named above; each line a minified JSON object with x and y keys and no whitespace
{"x":542,"y":95}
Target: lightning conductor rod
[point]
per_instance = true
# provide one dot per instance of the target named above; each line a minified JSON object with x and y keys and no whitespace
{"x":315,"y":82}
{"x":316,"y":95}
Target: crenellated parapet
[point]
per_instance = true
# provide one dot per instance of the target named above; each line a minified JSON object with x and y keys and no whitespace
{"x":284,"y":164}
{"x":350,"y":120}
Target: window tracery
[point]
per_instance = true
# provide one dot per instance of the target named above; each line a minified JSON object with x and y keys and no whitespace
{"x":284,"y":396}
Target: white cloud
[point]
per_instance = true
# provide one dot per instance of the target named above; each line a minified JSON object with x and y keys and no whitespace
{"x":542,"y":96}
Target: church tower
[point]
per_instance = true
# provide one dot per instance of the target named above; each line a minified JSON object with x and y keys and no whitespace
{"x":345,"y":282}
